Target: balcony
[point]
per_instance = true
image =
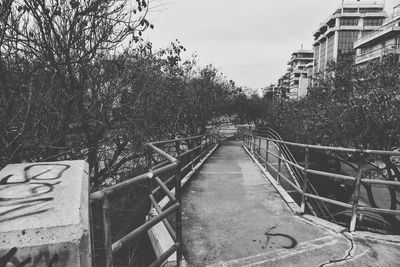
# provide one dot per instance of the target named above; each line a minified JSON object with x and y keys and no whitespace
{"x":376,"y":53}
{"x":390,"y":24}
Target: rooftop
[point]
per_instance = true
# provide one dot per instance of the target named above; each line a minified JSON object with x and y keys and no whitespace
{"x":347,"y":8}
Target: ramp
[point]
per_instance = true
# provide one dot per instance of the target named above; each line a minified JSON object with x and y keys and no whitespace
{"x":233,"y":216}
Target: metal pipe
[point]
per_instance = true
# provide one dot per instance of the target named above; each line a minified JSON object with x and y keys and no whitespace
{"x":112,"y":190}
{"x":279,"y":165}
{"x":332,"y":175}
{"x":381,"y":211}
{"x":165,"y":255}
{"x":356,"y":194}
{"x":165,"y":189}
{"x":144,"y":227}
{"x":305,"y":183}
{"x":162,"y":153}
{"x":107,"y":233}
{"x":337,"y":149}
{"x":165,"y":221}
{"x":178,"y":215}
{"x":382,"y":182}
{"x":327,"y":200}
{"x":158,"y":188}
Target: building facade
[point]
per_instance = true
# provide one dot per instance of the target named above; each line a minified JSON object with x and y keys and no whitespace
{"x":383,"y":40}
{"x":336,"y":36}
{"x":284,"y":83}
{"x":298,"y":73}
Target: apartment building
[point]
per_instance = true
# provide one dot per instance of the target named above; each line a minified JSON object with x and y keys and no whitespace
{"x":284,"y":83}
{"x":336,"y":35}
{"x":298,"y":73}
{"x":384,"y":39}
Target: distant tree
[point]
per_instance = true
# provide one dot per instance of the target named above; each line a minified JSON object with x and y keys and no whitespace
{"x":249,"y":107}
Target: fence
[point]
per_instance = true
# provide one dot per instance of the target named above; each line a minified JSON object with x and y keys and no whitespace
{"x":168,"y":162}
{"x":253,"y":144}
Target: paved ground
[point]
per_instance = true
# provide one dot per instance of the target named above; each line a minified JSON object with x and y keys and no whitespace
{"x":234,"y":217}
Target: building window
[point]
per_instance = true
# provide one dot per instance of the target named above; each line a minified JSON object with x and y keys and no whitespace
{"x":366,"y":50}
{"x":373,"y":21}
{"x":348,"y":21}
{"x":316,"y":57}
{"x":350,"y":10}
{"x":346,"y":41}
{"x":331,"y":46}
{"x":323,"y":56}
{"x":370,"y":10}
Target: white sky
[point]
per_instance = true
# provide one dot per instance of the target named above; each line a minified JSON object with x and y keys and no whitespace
{"x":249,"y":41}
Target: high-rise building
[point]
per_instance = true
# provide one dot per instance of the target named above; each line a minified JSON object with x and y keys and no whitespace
{"x":299,"y":79}
{"x":336,"y":36}
{"x":376,"y":43}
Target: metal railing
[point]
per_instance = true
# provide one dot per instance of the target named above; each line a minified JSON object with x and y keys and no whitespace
{"x":378,"y":52}
{"x":168,"y":162}
{"x":317,"y":208}
{"x":252,"y":142}
{"x":389,"y":24}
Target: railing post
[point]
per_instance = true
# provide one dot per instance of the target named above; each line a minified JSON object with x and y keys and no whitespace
{"x":178,"y":216}
{"x":201,"y":145}
{"x":107,"y":233}
{"x":191,"y":159}
{"x":305,"y":181}
{"x":149,"y":162}
{"x":266,"y":150}
{"x":357,"y":192}
{"x":254,"y":144}
{"x":259,"y":149}
{"x":278,"y":177}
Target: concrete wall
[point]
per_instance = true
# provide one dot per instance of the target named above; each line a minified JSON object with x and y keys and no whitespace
{"x":44,"y":214}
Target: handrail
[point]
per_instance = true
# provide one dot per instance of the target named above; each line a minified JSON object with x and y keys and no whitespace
{"x":317,"y":208}
{"x":339,"y":149}
{"x":251,"y":143}
{"x":154,"y":178}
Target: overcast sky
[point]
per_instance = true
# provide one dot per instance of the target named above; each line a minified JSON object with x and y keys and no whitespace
{"x":249,"y":41}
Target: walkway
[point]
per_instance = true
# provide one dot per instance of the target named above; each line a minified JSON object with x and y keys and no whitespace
{"x":233,"y":216}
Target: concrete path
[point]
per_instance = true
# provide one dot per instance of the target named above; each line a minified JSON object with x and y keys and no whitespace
{"x":233,"y":216}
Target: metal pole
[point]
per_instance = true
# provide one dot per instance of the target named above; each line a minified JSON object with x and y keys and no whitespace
{"x":149,"y":161}
{"x":357,"y":192}
{"x":107,"y":233}
{"x":278,"y":177}
{"x":191,"y":159}
{"x":201,"y":146}
{"x":266,"y":149}
{"x":178,"y":214}
{"x":305,"y":182}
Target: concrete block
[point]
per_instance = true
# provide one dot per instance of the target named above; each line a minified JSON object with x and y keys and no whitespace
{"x":44,"y":214}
